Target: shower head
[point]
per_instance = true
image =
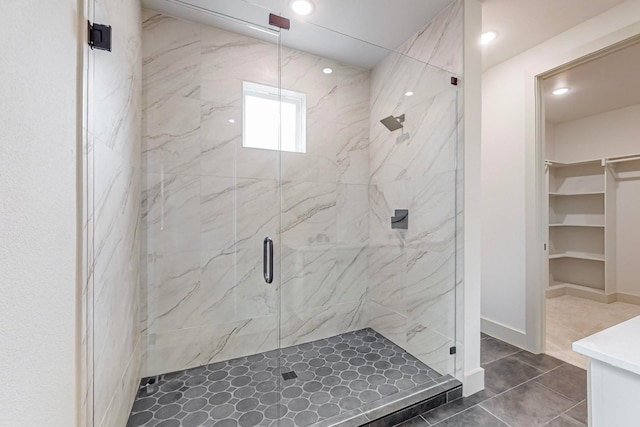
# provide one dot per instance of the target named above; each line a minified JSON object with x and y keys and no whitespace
{"x":393,"y":123}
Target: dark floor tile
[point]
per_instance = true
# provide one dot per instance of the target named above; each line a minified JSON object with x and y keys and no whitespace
{"x":578,"y":412}
{"x":473,"y":417}
{"x":492,"y":349}
{"x":484,"y":336}
{"x":541,"y":361}
{"x":414,"y":422}
{"x":456,"y":407}
{"x":527,"y":405}
{"x":568,"y":380}
{"x":506,"y":373}
{"x":565,"y":421}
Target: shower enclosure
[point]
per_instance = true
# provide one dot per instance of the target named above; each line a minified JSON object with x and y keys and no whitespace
{"x":274,"y":289}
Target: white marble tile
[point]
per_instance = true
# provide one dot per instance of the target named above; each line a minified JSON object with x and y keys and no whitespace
{"x":171,"y":73}
{"x":217,"y":300}
{"x":352,"y":275}
{"x":430,"y":288}
{"x":217,"y":213}
{"x":308,"y":277}
{"x":431,"y":211}
{"x":440,"y":43}
{"x":352,"y":209}
{"x":321,"y":322}
{"x":389,"y":323}
{"x":229,"y":58}
{"x":254,"y":297}
{"x":387,"y":273}
{"x":172,"y":351}
{"x":171,"y":212}
{"x":220,"y":139}
{"x":241,"y":338}
{"x":119,"y":409}
{"x":430,"y":347}
{"x":384,"y":199}
{"x":171,"y":140}
{"x":257,"y":212}
{"x":174,"y":293}
{"x":308,"y":213}
{"x":171,"y":59}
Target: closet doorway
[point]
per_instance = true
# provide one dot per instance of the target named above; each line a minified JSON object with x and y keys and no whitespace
{"x":590,"y":136}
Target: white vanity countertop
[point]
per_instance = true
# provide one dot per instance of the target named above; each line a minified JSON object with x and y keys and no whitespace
{"x":618,"y":346}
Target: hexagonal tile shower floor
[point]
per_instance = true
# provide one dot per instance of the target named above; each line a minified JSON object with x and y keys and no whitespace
{"x":357,"y":378}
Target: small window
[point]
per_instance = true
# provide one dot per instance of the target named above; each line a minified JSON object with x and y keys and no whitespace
{"x":264,"y":107}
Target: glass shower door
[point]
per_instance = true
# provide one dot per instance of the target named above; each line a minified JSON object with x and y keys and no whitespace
{"x":211,"y":135}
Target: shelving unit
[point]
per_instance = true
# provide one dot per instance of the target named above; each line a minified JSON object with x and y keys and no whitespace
{"x":578,"y":254}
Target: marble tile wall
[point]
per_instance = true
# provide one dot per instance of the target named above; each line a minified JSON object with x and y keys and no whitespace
{"x":412,"y":289}
{"x":208,"y":202}
{"x":111,"y":230}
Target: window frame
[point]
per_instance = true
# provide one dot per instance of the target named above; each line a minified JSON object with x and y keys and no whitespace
{"x":271,"y":93}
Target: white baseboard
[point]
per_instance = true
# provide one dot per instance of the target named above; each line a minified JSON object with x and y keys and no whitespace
{"x":473,"y":382}
{"x":503,"y":332}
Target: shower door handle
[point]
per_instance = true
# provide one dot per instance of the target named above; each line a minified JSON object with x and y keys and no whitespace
{"x":267,"y":259}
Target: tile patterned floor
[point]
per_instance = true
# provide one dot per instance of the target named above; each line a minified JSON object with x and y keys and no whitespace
{"x":336,"y":374}
{"x":522,"y":390}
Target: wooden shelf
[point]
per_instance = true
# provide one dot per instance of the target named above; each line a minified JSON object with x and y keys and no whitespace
{"x":578,"y":255}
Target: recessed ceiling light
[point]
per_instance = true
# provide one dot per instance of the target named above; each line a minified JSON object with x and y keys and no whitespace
{"x":231,"y":121}
{"x":328,"y":70}
{"x":301,"y":7}
{"x":560,"y":91}
{"x":488,"y":37}
{"x":408,"y":93}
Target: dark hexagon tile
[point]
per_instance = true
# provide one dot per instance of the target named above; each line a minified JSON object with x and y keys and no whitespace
{"x":333,"y":375}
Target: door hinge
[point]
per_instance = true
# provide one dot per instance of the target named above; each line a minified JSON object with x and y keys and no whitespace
{"x":279,"y":21}
{"x":100,"y":36}
{"x":452,"y":350}
{"x":545,"y":246}
{"x":454,"y":81}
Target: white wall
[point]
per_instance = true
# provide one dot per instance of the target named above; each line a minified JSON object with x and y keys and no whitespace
{"x":38,"y":141}
{"x":511,"y":229}
{"x":610,"y":134}
{"x":472,"y":233}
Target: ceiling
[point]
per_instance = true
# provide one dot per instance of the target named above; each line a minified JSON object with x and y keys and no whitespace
{"x":384,"y":24}
{"x":522,"y":24}
{"x":604,"y":84}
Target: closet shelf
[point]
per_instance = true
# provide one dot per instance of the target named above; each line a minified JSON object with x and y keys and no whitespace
{"x":577,"y":255}
{"x":577,"y":225}
{"x":586,"y":193}
{"x":582,"y":288}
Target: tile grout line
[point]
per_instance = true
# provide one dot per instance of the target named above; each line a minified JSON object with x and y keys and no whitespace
{"x":518,"y":385}
{"x":557,"y":392}
{"x":576,"y":405}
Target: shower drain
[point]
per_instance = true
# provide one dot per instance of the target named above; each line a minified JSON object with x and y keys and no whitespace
{"x":289,"y":376}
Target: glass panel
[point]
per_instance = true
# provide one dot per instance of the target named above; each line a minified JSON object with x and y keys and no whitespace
{"x":208,"y":203}
{"x":249,"y":134}
{"x":382,"y":299}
